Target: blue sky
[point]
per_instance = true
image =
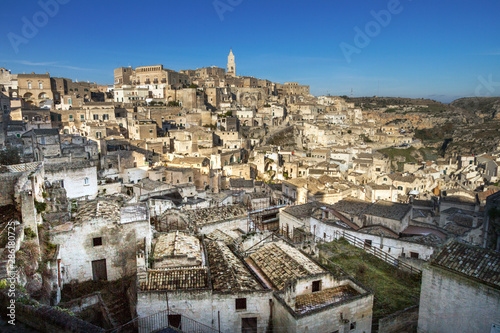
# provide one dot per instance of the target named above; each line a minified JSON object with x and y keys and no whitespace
{"x":424,"y":48}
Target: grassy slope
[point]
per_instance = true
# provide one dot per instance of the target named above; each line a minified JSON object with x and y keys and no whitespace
{"x":394,"y":290}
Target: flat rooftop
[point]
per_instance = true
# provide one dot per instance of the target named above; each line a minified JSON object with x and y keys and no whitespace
{"x":307,"y":302}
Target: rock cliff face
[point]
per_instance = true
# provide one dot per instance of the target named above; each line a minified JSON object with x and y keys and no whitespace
{"x":487,"y":108}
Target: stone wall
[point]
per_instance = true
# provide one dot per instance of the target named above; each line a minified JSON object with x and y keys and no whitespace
{"x":118,"y":248}
{"x":47,"y":319}
{"x":8,"y":181}
{"x":338,"y":316}
{"x":405,"y":320}
{"x":452,"y":303}
{"x":205,"y":307}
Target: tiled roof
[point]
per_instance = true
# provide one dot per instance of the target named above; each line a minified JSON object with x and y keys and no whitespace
{"x":105,"y":209}
{"x":386,"y":209}
{"x":307,"y":302}
{"x":281,"y":262}
{"x":216,"y":214}
{"x":305,"y":210}
{"x":227,"y":271}
{"x":219,"y":235}
{"x":23,"y":167}
{"x":176,"y":279}
{"x":241,"y":182}
{"x":471,"y":261}
{"x":178,"y":243}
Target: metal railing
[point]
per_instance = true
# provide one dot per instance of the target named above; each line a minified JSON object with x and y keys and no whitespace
{"x":162,"y":320}
{"x":360,"y":243}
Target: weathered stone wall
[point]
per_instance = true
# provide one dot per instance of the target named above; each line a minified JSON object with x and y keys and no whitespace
{"x":238,"y":223}
{"x":392,"y":246}
{"x":405,"y":320}
{"x":118,"y":248}
{"x":80,"y":178}
{"x":330,"y":319}
{"x":452,"y":303}
{"x":204,"y":306}
{"x":8,"y":181}
{"x":48,"y":319}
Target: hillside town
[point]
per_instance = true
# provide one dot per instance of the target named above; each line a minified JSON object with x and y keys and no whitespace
{"x":200,"y":200}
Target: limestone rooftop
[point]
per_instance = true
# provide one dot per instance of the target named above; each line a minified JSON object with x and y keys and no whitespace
{"x":280,"y":263}
{"x":178,"y":244}
{"x":216,"y":214}
{"x":476,"y":263}
{"x":176,"y":279}
{"x":98,"y":209}
{"x":307,"y":302}
{"x":227,"y":271}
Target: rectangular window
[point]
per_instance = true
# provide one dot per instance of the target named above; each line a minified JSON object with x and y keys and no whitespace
{"x":316,"y":286}
{"x":29,"y":85}
{"x":97,"y":241}
{"x":241,"y":304}
{"x":96,"y":117}
{"x":40,"y":85}
{"x":353,"y":326}
{"x":414,"y":255}
{"x":368,"y":243}
{"x":82,"y":117}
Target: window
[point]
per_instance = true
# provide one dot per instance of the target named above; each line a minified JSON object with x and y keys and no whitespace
{"x":414,"y":255}
{"x":40,"y":85}
{"x":96,"y":117}
{"x":82,"y":117}
{"x":97,"y":241}
{"x":70,"y":101}
{"x":29,"y":85}
{"x":353,"y":326}
{"x":105,"y":117}
{"x":241,"y":304}
{"x":86,"y":181}
{"x":316,"y":286}
{"x":368,"y":243}
{"x":70,"y":117}
{"x":164,"y":179}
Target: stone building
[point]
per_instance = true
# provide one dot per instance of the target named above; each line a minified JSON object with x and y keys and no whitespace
{"x":35,"y":89}
{"x":231,"y":64}
{"x":79,"y":178}
{"x":40,"y":144}
{"x":101,"y":241}
{"x":209,"y":284}
{"x":307,"y":297}
{"x":460,"y":290}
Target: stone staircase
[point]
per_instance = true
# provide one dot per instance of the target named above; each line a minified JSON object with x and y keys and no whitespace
{"x":118,"y":311}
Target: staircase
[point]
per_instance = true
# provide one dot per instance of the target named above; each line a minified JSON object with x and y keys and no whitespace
{"x":118,"y":311}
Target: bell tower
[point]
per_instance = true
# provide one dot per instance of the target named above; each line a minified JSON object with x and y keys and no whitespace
{"x":231,"y":65}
